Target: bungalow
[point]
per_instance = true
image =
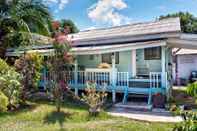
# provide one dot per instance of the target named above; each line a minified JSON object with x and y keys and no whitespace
{"x":139,"y":55}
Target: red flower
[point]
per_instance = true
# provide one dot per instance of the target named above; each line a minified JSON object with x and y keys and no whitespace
{"x":61,"y":38}
{"x":55,"y":25}
{"x":66,"y":55}
{"x":63,"y":85}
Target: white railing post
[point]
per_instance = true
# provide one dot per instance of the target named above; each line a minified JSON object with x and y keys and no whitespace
{"x":133,"y":62}
{"x":76,"y":77}
{"x":113,"y":77}
{"x":163,"y":66}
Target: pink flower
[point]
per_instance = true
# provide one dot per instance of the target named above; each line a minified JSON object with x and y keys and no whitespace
{"x":65,"y":55}
{"x":61,"y":39}
{"x":63,"y":85}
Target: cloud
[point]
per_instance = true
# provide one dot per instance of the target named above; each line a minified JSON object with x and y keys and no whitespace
{"x":50,"y":1}
{"x":61,"y":3}
{"x":107,"y":11}
{"x":162,"y":8}
{"x":90,"y":28}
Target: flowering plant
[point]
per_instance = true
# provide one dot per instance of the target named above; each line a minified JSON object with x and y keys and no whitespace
{"x":58,"y":84}
{"x":94,"y":99}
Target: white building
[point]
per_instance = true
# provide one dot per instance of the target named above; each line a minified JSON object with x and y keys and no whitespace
{"x":185,"y":63}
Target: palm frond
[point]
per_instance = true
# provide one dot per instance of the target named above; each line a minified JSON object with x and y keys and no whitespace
{"x":19,"y":18}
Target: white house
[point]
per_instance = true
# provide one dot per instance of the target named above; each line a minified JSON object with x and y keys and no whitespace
{"x":140,"y":56}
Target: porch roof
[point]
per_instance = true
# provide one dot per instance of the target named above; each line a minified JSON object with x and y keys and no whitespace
{"x":94,"y":49}
{"x":187,"y":41}
{"x":116,"y":48}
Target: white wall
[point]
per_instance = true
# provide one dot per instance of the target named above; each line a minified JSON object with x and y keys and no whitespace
{"x":186,"y":64}
{"x":124,"y":62}
{"x":123,"y":66}
{"x":152,"y":65}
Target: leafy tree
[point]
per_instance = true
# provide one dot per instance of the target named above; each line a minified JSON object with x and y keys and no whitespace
{"x":66,"y":26}
{"x":58,"y":83}
{"x":188,"y":21}
{"x":69,"y":24}
{"x":20,"y":18}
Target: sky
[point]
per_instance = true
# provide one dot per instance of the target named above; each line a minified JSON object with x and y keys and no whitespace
{"x":91,"y":14}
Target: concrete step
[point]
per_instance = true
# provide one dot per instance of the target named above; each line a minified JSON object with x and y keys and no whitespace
{"x":135,"y":106}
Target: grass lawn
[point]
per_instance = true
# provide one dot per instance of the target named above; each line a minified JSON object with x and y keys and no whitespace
{"x":41,"y":117}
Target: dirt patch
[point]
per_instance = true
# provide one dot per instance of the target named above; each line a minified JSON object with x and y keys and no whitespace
{"x":180,"y":97}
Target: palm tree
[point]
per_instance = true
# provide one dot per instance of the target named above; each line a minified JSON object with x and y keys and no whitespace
{"x":19,"y":19}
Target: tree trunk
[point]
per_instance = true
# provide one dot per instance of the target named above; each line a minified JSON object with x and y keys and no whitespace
{"x":2,"y":52}
{"x":58,"y":104}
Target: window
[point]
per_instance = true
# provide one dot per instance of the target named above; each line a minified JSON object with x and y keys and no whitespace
{"x":152,"y":53}
{"x":106,"y":58}
{"x":91,"y":57}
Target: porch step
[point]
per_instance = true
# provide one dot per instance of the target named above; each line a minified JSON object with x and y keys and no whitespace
{"x":140,"y":92}
{"x":137,"y":95}
{"x":135,"y":106}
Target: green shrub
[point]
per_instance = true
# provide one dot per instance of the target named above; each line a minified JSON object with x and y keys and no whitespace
{"x":3,"y":102}
{"x":192,"y":89}
{"x":190,"y":122}
{"x":30,"y":66}
{"x":10,"y":83}
{"x":190,"y":117}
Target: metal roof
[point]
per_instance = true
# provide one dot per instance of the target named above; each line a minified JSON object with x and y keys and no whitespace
{"x":170,"y":25}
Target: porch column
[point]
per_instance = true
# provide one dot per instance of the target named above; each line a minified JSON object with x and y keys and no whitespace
{"x":76,"y":77}
{"x":133,"y":62}
{"x":163,"y":67}
{"x":113,"y":77}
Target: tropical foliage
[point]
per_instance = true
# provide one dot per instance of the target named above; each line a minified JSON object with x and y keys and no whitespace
{"x":3,"y":102}
{"x":192,"y":89}
{"x":10,"y":83}
{"x":190,"y":117}
{"x":94,"y":99}
{"x":70,"y":25}
{"x":30,"y":66}
{"x":188,"y":21}
{"x":190,"y":122}
{"x":20,"y":18}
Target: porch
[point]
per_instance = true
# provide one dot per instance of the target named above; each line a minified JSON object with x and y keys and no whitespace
{"x":121,"y":84}
{"x":124,"y":76}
